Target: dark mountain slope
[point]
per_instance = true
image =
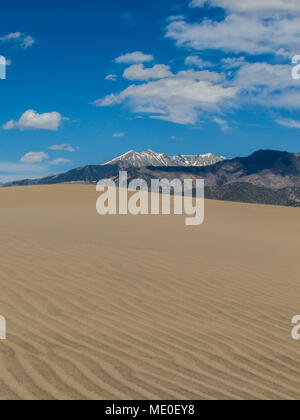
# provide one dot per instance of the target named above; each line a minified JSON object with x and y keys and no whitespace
{"x":267,"y":177}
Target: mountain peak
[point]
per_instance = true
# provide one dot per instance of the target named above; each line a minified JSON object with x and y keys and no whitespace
{"x":151,"y":158}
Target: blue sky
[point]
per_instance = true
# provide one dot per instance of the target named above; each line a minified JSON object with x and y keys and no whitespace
{"x":93,"y":80}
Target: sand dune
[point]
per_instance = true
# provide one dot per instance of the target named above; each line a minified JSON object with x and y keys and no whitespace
{"x":145,"y":307}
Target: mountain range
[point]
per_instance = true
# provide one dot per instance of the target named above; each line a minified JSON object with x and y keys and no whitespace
{"x":150,"y":158}
{"x":266,"y":176}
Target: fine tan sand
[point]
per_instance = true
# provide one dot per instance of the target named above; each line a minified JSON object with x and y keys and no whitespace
{"x":144,"y":307}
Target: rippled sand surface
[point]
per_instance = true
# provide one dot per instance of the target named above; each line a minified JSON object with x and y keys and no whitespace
{"x":144,"y":307}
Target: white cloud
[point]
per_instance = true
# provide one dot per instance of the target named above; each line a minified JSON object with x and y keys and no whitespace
{"x":118,"y":135}
{"x":204,"y":75}
{"x":267,"y":85}
{"x":135,"y":58}
{"x":63,"y":147}
{"x":248,"y":27}
{"x":112,"y":77}
{"x":27,"y":42}
{"x":252,"y":75}
{"x":31,"y":120}
{"x":19,"y":38}
{"x":290,"y":123}
{"x":177,"y":99}
{"x":240,"y":33}
{"x":281,"y":100}
{"x":196,"y":61}
{"x":222,"y":123}
{"x":232,"y":62}
{"x":139,"y":72}
{"x":9,"y":125}
{"x":175,"y":17}
{"x":257,"y":6}
{"x":34,"y":157}
{"x":60,"y":161}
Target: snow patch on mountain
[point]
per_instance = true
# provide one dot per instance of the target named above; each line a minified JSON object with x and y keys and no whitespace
{"x":150,"y":158}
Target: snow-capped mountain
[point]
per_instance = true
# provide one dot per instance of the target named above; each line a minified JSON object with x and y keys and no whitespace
{"x":150,"y":158}
{"x":197,"y":160}
{"x":266,"y":177}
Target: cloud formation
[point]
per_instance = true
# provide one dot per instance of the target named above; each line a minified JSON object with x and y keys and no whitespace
{"x":267,"y":85}
{"x":18,"y":38}
{"x":257,"y":6}
{"x":255,"y":41}
{"x":196,"y":61}
{"x":34,"y":157}
{"x":139,"y":72}
{"x":249,"y":26}
{"x":60,"y":161}
{"x":134,"y":58}
{"x":223,"y":124}
{"x":66,"y":147}
{"x":289,"y":123}
{"x":118,"y":135}
{"x":31,"y":120}
{"x":177,"y":99}
{"x":111,"y":77}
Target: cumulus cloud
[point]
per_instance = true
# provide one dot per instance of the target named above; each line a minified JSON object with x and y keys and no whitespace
{"x":289,"y":123}
{"x":60,"y":161}
{"x":222,"y":123}
{"x":196,"y":61}
{"x":177,"y":99}
{"x":267,"y":85}
{"x":249,"y":27}
{"x":9,"y":125}
{"x":240,"y":33}
{"x":184,"y":97}
{"x":175,"y":17}
{"x":31,"y":120}
{"x":253,"y":75}
{"x":118,"y":135}
{"x":18,"y":38}
{"x":139,"y":72}
{"x":112,"y":77}
{"x":34,"y":157}
{"x":268,"y":31}
{"x":280,"y":100}
{"x":135,"y":58}
{"x":257,"y":6}
{"x":203,"y":75}
{"x":66,"y":147}
{"x":232,"y":62}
